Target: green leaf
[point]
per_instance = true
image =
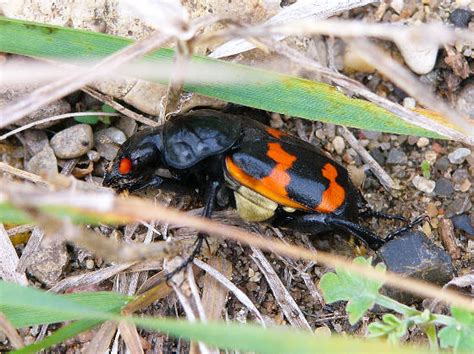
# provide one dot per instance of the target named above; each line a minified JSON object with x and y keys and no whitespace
{"x":425,"y":168}
{"x":67,"y":332}
{"x":391,"y":327}
{"x":257,"y":88}
{"x":459,"y":335}
{"x":87,"y":119}
{"x":107,"y":109}
{"x":360,"y":292}
{"x":221,"y":335}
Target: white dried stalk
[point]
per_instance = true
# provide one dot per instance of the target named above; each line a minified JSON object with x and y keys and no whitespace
{"x":239,"y":294}
{"x":300,"y":10}
{"x":288,"y":305}
{"x":9,"y":260}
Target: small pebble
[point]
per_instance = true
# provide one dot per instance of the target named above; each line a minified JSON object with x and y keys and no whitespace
{"x":463,"y":222}
{"x":431,"y":156}
{"x":43,"y":163}
{"x":372,"y":135}
{"x":127,"y":125}
{"x":339,"y":145}
{"x":90,"y":264}
{"x":385,"y":146}
{"x":465,"y":100}
{"x":432,"y":210}
{"x":103,"y":142}
{"x":423,"y":184}
{"x":419,"y":56}
{"x":320,"y":134}
{"x":464,"y":186}
{"x":48,"y":262}
{"x":437,"y":148}
{"x":93,"y":155}
{"x":422,"y":142}
{"x":36,"y":140}
{"x":356,"y":174}
{"x":378,"y":156}
{"x":460,"y":17}
{"x":442,"y":164}
{"x":458,"y":206}
{"x":412,"y":140}
{"x":397,"y":157}
{"x":73,"y":142}
{"x":459,"y":155}
{"x":409,"y":102}
{"x":444,"y":187}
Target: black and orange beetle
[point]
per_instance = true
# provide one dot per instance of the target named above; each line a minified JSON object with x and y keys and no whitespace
{"x":274,"y":176}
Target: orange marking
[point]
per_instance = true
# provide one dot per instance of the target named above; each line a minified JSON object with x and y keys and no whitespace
{"x":334,"y":196}
{"x":275,"y":133}
{"x":274,"y":185}
{"x":125,"y":166}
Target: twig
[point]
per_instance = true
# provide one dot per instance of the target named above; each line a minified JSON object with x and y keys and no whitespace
{"x":377,"y":170}
{"x":118,"y":107}
{"x":133,"y":209}
{"x":449,"y":239}
{"x":53,"y":118}
{"x":239,"y":294}
{"x":9,"y":260}
{"x":284,"y":299}
{"x":10,"y":332}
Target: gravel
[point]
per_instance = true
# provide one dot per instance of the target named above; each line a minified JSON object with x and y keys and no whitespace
{"x":73,"y":142}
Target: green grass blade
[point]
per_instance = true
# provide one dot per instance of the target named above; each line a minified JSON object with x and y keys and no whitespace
{"x":226,"y":336}
{"x":267,"y":90}
{"x":67,"y":332}
{"x":22,"y":316}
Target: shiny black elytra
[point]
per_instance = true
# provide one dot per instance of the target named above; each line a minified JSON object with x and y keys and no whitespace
{"x":274,"y":176}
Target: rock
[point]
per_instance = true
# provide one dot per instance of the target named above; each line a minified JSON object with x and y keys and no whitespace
{"x":422,"y":142}
{"x":43,"y":163}
{"x":431,"y":156}
{"x":354,"y":63}
{"x":339,"y":145}
{"x":409,"y":102}
{"x":48,"y":262}
{"x":444,"y":187}
{"x":465,"y":100}
{"x":463,"y":222}
{"x":460,"y":17}
{"x":356,"y":174}
{"x":73,"y":142}
{"x":412,"y":140}
{"x":397,"y":157}
{"x":413,"y":255}
{"x":93,"y":155}
{"x":442,"y":164}
{"x":35,"y":140}
{"x":104,"y":140}
{"x":458,"y":206}
{"x":423,"y":184}
{"x":464,"y":186}
{"x":419,"y":56}
{"x":127,"y":125}
{"x":459,"y":155}
{"x":372,"y":135}
{"x":378,"y":156}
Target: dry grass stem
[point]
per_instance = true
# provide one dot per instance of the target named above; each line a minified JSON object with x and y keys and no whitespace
{"x":10,"y":332}
{"x":119,"y":108}
{"x":288,"y":305}
{"x":31,"y":247}
{"x":129,"y":334}
{"x":385,"y":180}
{"x":9,"y":260}
{"x":195,"y":294}
{"x":239,"y":294}
{"x":21,"y":174}
{"x":53,"y":118}
{"x":101,"y":341}
{"x":407,"y":81}
{"x":134,"y":209}
{"x":60,"y":88}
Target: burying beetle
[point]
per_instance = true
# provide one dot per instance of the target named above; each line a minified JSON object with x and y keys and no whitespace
{"x":274,"y":176}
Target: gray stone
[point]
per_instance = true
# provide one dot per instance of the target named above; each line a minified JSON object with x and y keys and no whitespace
{"x":339,"y":145}
{"x":372,"y":135}
{"x":442,"y":164}
{"x":43,"y":163}
{"x":127,"y":125}
{"x":378,"y":156}
{"x":444,"y":187}
{"x":458,"y":206}
{"x":73,"y":142}
{"x":459,"y":155}
{"x":35,"y":140}
{"x":413,"y":255}
{"x":107,"y":142}
{"x":397,"y":157}
{"x":463,"y":222}
{"x":47,"y":264}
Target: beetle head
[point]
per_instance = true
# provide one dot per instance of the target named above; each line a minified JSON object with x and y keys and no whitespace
{"x":136,"y":161}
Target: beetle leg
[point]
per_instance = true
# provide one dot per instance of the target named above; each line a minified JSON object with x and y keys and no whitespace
{"x":154,"y":181}
{"x":211,"y":194}
{"x":407,"y":227}
{"x":367,"y":213}
{"x":318,"y":223}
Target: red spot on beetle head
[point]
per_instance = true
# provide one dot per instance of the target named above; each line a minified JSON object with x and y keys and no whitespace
{"x":125,"y":166}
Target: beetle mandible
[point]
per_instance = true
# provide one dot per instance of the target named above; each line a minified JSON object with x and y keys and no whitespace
{"x":274,"y":176}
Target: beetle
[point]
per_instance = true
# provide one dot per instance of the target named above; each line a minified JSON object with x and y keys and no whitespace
{"x":274,"y":176}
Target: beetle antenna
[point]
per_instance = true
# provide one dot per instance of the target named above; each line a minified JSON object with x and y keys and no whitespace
{"x":197,"y":248}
